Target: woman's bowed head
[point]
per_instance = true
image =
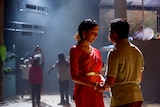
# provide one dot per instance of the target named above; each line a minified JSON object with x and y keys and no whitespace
{"x":85,"y":25}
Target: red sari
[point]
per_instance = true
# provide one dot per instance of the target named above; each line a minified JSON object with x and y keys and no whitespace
{"x":80,"y":64}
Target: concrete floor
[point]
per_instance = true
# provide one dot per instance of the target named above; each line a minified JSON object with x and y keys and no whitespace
{"x":50,"y":101}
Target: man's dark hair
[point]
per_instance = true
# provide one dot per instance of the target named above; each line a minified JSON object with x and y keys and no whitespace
{"x":121,"y":26}
{"x":61,"y":57}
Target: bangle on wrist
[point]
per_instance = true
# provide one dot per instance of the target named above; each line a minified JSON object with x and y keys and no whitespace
{"x":95,"y":87}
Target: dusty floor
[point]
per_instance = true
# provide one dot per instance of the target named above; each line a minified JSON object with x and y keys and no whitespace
{"x":51,"y":101}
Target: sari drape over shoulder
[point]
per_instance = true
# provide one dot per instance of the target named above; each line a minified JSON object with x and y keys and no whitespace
{"x":88,"y":66}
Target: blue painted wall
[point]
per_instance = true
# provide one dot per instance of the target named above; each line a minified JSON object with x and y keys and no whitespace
{"x":9,"y":86}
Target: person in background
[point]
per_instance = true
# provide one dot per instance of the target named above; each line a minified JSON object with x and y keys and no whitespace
{"x":64,"y":76}
{"x":138,"y":34}
{"x":36,"y":81}
{"x":85,"y":66}
{"x":38,"y":54}
{"x":71,"y":83}
{"x":25,"y":77}
{"x":125,"y":67}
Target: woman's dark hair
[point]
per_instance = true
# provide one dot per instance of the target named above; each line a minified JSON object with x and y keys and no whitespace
{"x":121,"y":26}
{"x":86,"y":25}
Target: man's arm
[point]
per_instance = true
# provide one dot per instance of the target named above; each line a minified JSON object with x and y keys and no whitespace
{"x":53,"y":67}
{"x":141,"y":76}
{"x":109,"y":82}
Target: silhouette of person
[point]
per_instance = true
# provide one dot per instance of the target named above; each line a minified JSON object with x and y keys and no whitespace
{"x":38,"y":54}
{"x":71,"y":84}
{"x":36,"y":81}
{"x":25,"y":76}
{"x":64,"y":76}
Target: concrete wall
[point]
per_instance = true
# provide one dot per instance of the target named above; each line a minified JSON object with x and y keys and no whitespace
{"x":9,"y":86}
{"x":151,"y":77}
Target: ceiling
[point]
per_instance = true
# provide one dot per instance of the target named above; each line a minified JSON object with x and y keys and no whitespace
{"x":150,"y":5}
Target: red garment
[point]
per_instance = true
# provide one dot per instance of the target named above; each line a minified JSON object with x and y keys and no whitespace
{"x":35,"y":75}
{"x":134,"y":104}
{"x":80,"y":64}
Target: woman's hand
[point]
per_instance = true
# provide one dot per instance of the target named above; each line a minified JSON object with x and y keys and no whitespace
{"x":99,"y":87}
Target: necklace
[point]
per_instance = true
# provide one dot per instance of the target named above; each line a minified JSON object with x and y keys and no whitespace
{"x":87,"y":49}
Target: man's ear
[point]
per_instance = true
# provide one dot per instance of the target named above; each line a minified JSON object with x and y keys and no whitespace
{"x":115,"y":35}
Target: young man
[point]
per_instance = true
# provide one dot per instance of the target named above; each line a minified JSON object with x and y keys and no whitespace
{"x":125,"y":67}
{"x":64,"y":76}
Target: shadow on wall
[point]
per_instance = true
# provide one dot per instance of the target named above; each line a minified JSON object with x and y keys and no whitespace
{"x":150,"y":85}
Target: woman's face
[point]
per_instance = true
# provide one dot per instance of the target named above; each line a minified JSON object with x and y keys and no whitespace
{"x":91,"y":35}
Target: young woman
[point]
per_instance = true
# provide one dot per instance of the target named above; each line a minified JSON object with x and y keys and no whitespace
{"x":85,"y":65}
